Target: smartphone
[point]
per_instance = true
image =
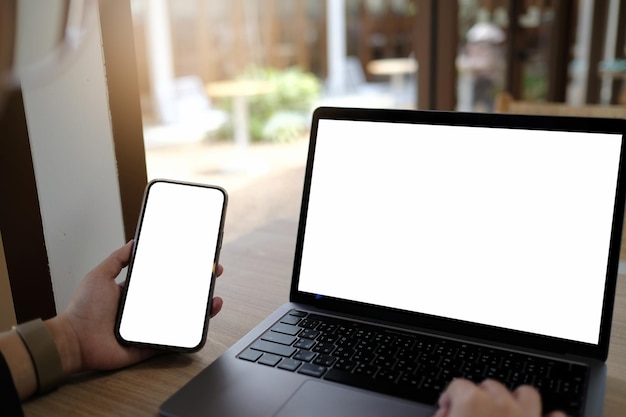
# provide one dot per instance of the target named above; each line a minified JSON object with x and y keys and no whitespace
{"x":166,"y":300}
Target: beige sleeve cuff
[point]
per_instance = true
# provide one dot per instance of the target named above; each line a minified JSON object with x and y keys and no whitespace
{"x":43,"y":352}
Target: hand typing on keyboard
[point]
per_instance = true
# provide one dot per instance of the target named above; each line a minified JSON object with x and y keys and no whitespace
{"x":490,"y":398}
{"x":419,"y":367}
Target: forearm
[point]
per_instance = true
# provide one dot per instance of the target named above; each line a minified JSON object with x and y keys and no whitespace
{"x":20,"y":361}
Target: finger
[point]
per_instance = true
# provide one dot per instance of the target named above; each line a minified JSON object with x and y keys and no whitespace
{"x":441,"y":412}
{"x":115,"y":262}
{"x":458,"y":385}
{"x":495,"y":388}
{"x":137,"y":354}
{"x":556,"y":414}
{"x":220,"y":269}
{"x":457,"y":388}
{"x":216,"y":305}
{"x":529,"y":400}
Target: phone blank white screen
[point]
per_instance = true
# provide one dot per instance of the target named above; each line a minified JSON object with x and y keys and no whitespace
{"x":503,"y":227}
{"x":168,"y":290}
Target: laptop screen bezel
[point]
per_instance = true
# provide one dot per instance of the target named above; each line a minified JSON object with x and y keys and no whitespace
{"x":457,"y":327}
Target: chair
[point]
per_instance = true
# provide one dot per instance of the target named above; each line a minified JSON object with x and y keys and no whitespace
{"x":189,"y":115}
{"x":506,"y":104}
{"x":357,"y":82}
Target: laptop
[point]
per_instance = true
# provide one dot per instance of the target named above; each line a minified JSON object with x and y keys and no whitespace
{"x":436,"y":245}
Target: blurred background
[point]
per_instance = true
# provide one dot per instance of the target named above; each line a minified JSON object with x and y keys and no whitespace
{"x":221,"y":92}
{"x":227,"y":88}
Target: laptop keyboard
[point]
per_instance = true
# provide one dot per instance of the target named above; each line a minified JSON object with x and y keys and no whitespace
{"x":407,"y":365}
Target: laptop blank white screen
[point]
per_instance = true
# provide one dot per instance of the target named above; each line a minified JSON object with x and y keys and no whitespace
{"x":503,"y":227}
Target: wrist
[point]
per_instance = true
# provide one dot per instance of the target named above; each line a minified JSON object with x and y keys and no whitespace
{"x":67,"y":344}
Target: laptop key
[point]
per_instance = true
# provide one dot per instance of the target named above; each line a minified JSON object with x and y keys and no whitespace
{"x":286,"y":328}
{"x":250,"y":355}
{"x":345,"y":364}
{"x":269,"y":359}
{"x":365,"y":370}
{"x":410,"y":380}
{"x":289,"y":364}
{"x":283,"y":339}
{"x":275,"y":348}
{"x":324,"y":360}
{"x":289,"y":319}
{"x":312,"y":370}
{"x":415,"y":367}
{"x":304,"y":355}
{"x":411,"y":392}
{"x":570,"y":407}
{"x":309,"y":334}
{"x":325,"y":348}
{"x":308,"y":323}
{"x":387,"y":375}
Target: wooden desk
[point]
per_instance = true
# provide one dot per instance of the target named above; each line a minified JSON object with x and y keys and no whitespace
{"x":255,"y":282}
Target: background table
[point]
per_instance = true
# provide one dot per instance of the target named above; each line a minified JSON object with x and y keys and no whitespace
{"x":240,"y":91}
{"x":396,"y":69}
{"x":255,"y":282}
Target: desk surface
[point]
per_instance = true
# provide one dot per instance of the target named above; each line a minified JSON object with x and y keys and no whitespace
{"x":255,"y":282}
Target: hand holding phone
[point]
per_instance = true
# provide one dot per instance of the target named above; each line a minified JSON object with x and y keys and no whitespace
{"x":169,"y":285}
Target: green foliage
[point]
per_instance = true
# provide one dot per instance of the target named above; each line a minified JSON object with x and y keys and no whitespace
{"x":281,"y":115}
{"x":534,"y":86}
{"x":285,"y":126}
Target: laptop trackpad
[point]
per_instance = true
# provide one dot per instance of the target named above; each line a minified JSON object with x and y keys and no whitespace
{"x":315,"y":398}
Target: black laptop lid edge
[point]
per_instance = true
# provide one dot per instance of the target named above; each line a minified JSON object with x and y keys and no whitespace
{"x":468,"y":329}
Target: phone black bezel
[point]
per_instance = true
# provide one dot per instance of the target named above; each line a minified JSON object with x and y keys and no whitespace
{"x":122,"y":302}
